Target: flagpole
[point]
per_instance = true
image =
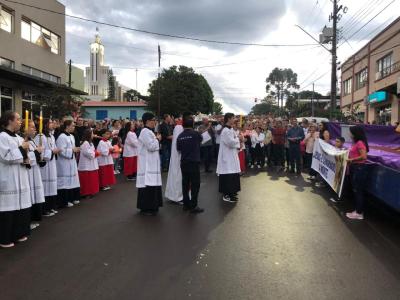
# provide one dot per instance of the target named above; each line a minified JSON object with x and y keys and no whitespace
{"x":159,"y":83}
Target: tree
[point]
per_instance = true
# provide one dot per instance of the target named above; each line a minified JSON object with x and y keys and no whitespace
{"x":217,"y":108}
{"x":280,"y":84}
{"x":267,"y":105}
{"x":133,"y":95}
{"x":181,"y":89}
{"x":111,"y":85}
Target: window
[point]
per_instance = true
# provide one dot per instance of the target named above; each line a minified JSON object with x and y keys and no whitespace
{"x":384,"y":66}
{"x":361,"y":78}
{"x":101,"y":114}
{"x":6,"y":63}
{"x":40,"y":36}
{"x":133,"y":115}
{"x":347,"y":85}
{"x":29,"y":104}
{"x":6,"y":99}
{"x":6,"y":19}
{"x":40,"y":74}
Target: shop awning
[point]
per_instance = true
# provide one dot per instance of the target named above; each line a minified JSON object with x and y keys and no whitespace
{"x":37,"y":83}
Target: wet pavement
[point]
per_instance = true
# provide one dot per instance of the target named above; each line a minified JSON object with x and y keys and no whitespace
{"x":283,"y":240}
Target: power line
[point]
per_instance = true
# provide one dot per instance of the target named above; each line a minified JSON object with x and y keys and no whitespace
{"x":157,"y":33}
{"x":381,"y":11}
{"x":359,"y":16}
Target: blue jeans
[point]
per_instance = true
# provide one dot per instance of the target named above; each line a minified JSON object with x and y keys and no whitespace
{"x":165,"y":156}
{"x":295,"y":157}
{"x":359,"y":176}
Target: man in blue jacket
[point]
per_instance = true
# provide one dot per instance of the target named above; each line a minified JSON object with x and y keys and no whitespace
{"x":295,"y":135}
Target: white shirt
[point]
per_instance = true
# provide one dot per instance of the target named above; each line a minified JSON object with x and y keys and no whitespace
{"x":49,"y":171}
{"x":257,"y":139}
{"x":218,"y":135}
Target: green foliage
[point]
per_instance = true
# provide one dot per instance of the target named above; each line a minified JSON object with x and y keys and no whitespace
{"x":111,"y":85}
{"x":217,"y":108}
{"x":280,"y":84}
{"x":181,"y":89}
{"x":266,"y":106}
{"x":133,"y":95}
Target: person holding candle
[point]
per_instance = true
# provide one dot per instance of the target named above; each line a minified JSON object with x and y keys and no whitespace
{"x":67,"y":169}
{"x":88,"y":166}
{"x":47,"y":140}
{"x":15,"y":200}
{"x":35,"y":177}
{"x":106,"y":163}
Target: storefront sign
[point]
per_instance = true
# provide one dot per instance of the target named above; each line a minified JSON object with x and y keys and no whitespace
{"x":330,"y":163}
{"x":377,"y":97}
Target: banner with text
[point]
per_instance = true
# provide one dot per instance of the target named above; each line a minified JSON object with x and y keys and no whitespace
{"x":330,"y":162}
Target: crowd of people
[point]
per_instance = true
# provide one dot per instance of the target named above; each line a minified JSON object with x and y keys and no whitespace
{"x":51,"y":166}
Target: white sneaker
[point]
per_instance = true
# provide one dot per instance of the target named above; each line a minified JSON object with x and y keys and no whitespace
{"x":355,"y":216}
{"x":226,"y":198}
{"x":70,"y":204}
{"x":259,"y":167}
{"x":54,"y":211}
{"x":107,"y":188}
{"x":76,"y":202}
{"x":34,"y":226}
{"x":252,"y":167}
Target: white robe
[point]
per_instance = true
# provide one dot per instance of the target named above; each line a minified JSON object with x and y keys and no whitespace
{"x":49,"y":171}
{"x":14,"y":182}
{"x":35,"y":178}
{"x":105,"y":157}
{"x":173,"y":189}
{"x":149,"y":168}
{"x":131,"y":145}
{"x":228,"y":159}
{"x":87,"y":158}
{"x":67,"y":169}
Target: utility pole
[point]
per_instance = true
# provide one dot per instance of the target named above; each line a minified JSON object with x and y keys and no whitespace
{"x":69,"y":73}
{"x":159,"y":83}
{"x":312,"y":101}
{"x":136,"y":80}
{"x":334,"y":17}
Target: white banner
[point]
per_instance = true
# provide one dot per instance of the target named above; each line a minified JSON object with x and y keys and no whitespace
{"x":330,"y":162}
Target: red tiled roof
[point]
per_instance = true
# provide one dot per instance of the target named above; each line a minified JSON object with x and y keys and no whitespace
{"x":113,"y":104}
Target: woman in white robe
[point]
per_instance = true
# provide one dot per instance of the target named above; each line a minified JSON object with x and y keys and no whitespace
{"x":15,"y":200}
{"x":67,"y":169}
{"x":130,"y":153}
{"x":49,"y":171}
{"x":35,"y":178}
{"x":228,"y":167}
{"x":173,"y":190}
{"x":148,"y":179}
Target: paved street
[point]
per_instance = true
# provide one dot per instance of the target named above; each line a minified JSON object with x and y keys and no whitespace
{"x":283,"y":240}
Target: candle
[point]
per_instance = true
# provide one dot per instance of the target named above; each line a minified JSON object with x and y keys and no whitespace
{"x":241,"y":121}
{"x":26,"y":120}
{"x":41,"y":122}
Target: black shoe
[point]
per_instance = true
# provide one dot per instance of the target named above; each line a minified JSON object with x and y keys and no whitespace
{"x":197,"y":210}
{"x":148,"y":212}
{"x":185,"y":208}
{"x":209,"y":171}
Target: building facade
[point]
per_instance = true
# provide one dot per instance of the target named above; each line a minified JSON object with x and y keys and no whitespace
{"x":32,"y":52}
{"x":371,"y":79}
{"x":77,"y":77}
{"x":100,"y":110}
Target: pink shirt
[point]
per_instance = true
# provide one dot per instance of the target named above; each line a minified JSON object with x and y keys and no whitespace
{"x":355,"y":151}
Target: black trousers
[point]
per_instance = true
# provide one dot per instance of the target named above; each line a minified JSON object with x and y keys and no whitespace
{"x":278,"y":153}
{"x":207,"y":156}
{"x":37,"y":212}
{"x":190,"y":182}
{"x":50,"y":203}
{"x":14,"y":225}
{"x":295,"y":157}
{"x":258,"y":155}
{"x":68,"y":195}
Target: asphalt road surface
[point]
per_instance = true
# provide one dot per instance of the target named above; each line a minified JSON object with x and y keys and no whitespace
{"x":283,"y":240}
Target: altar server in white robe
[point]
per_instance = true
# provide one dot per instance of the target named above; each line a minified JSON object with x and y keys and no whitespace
{"x":49,"y":171}
{"x":106,"y":163}
{"x":15,"y":199}
{"x":35,"y":178}
{"x":67,"y":169}
{"x":173,"y":190}
{"x":130,"y":153}
{"x":228,"y":167}
{"x":148,"y":179}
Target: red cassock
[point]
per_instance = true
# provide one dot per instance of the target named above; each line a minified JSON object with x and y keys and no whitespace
{"x":106,"y":175}
{"x":89,"y":181}
{"x":242,"y":160}
{"x":130,"y":165}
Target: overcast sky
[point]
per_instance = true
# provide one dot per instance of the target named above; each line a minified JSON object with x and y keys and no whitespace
{"x":242,"y":78}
